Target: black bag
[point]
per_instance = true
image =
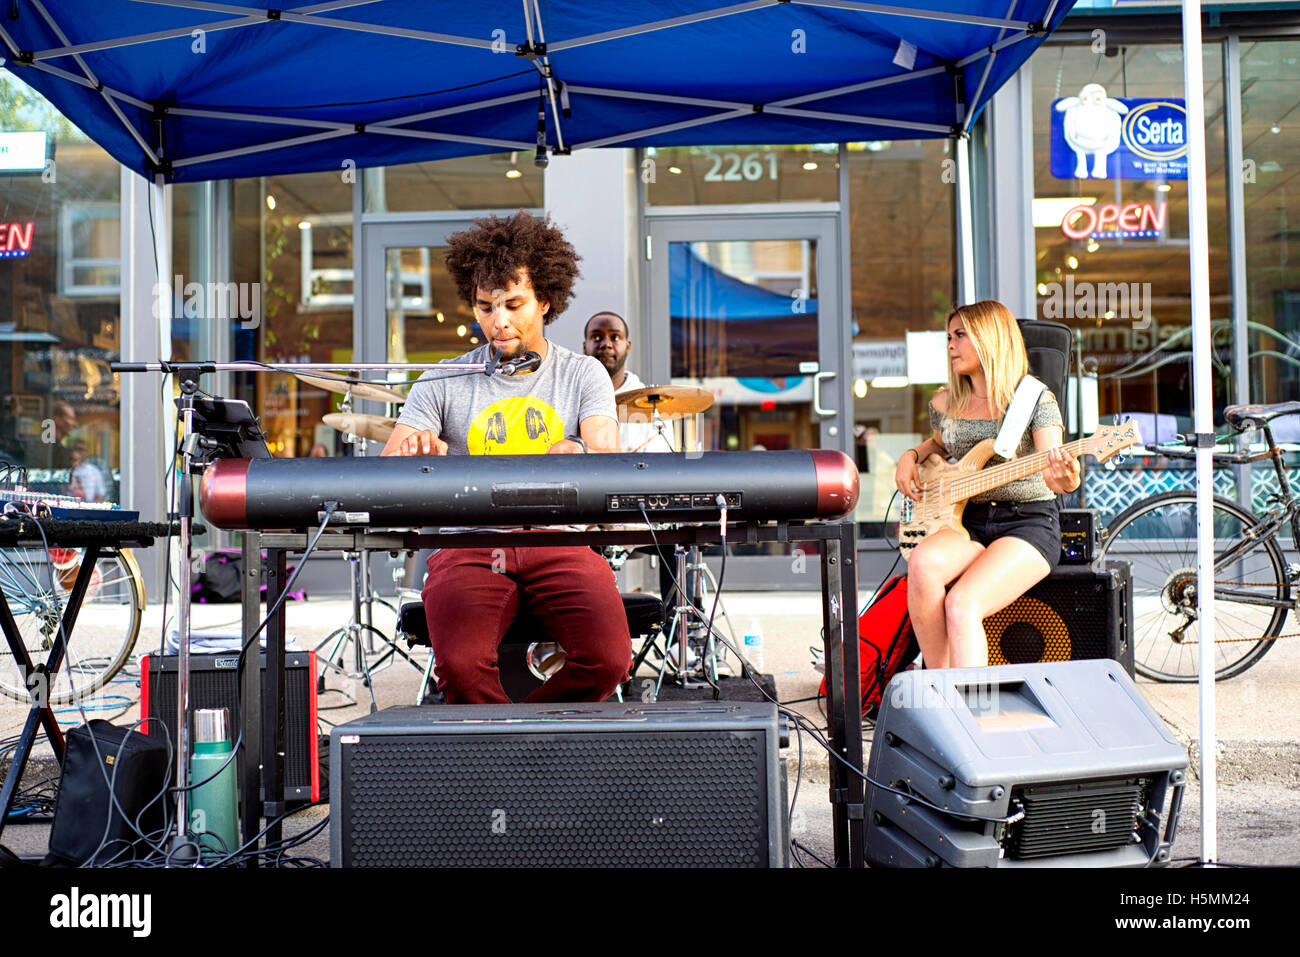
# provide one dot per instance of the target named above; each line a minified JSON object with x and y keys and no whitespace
{"x":89,"y":828}
{"x":222,"y":578}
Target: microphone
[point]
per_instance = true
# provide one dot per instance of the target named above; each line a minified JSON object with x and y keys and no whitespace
{"x":528,"y":362}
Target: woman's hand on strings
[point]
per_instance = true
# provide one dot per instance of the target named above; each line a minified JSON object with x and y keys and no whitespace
{"x":1063,"y":472}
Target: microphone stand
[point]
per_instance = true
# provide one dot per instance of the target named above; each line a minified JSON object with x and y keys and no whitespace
{"x":184,"y":848}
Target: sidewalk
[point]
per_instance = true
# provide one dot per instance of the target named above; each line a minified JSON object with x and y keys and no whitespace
{"x":1259,"y":739}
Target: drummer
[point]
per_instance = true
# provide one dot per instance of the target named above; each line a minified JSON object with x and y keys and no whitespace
{"x":606,"y":338}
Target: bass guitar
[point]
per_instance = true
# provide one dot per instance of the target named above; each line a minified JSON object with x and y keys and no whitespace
{"x":946,"y":487}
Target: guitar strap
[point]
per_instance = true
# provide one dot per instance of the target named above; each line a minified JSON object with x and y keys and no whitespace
{"x":1021,"y":410}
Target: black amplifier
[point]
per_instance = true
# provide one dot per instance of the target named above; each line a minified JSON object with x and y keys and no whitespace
{"x":1078,"y":536}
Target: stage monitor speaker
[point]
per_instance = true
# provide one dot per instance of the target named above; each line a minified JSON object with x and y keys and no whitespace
{"x":1077,"y":612}
{"x":1054,"y":764}
{"x":524,"y":785}
{"x":214,"y":683}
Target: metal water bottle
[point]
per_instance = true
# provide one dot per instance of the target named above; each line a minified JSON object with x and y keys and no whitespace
{"x":214,"y":811}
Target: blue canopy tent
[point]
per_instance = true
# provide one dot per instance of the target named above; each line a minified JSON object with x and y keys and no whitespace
{"x":205,"y":89}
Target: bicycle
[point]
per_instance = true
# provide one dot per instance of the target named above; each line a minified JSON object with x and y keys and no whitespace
{"x":1254,"y":586}
{"x":36,"y":585}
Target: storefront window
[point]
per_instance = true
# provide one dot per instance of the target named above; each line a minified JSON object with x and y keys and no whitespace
{"x":726,"y":175}
{"x":903,"y":260}
{"x":1111,"y":224}
{"x":292,"y":238}
{"x":497,"y":181}
{"x":60,"y":276}
{"x":1270,"y":102}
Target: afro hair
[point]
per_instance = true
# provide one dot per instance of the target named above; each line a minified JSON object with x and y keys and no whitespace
{"x":492,"y":254}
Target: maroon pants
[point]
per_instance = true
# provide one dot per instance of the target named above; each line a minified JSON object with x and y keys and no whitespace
{"x":473,"y":594}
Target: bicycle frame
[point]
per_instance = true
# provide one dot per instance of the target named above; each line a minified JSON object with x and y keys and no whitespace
{"x":1268,"y":528}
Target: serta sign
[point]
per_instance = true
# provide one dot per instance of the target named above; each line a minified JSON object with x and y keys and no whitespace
{"x":1096,"y":136}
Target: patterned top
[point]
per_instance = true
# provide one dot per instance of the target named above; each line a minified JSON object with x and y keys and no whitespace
{"x":959,"y":436}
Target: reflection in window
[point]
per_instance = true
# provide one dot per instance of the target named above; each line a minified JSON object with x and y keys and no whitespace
{"x":59,"y":327}
{"x":90,"y":249}
{"x":743,"y":309}
{"x":506,"y":181}
{"x":902,"y":255}
{"x":1111,"y":250}
{"x":1270,"y":101}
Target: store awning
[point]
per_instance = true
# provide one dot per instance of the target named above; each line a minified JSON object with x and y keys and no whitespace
{"x":211,"y":89}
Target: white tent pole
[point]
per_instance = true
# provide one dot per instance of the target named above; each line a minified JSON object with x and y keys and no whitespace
{"x":1203,"y":412}
{"x":965,"y":223}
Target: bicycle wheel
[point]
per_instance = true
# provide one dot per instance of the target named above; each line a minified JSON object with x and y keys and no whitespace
{"x":36,"y":585}
{"x":1158,"y":537}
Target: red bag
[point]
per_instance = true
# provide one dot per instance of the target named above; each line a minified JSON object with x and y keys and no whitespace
{"x":886,"y":642}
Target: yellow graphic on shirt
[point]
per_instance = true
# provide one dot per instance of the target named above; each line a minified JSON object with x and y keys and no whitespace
{"x":515,"y":426}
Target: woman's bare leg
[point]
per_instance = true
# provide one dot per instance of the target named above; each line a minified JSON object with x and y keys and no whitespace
{"x":932,"y":565}
{"x":1005,"y":570}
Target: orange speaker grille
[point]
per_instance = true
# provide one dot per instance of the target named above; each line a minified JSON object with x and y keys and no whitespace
{"x":1027,"y":631}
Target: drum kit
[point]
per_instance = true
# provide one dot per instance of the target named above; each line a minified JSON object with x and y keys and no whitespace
{"x":688,"y":635}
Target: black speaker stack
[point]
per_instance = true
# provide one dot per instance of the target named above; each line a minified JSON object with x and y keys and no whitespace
{"x":614,"y":785}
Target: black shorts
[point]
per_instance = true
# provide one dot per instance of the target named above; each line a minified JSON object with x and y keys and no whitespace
{"x":1037,"y":523}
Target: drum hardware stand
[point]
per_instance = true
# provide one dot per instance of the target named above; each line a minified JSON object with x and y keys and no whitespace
{"x":360,"y":630}
{"x":689,"y":628}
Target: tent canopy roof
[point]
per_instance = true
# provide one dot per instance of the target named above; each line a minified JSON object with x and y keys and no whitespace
{"x":209,"y":89}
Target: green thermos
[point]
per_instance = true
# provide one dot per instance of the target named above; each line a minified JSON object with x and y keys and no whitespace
{"x":214,"y":810}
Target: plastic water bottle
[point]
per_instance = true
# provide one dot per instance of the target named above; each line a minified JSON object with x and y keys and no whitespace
{"x":754,"y":643}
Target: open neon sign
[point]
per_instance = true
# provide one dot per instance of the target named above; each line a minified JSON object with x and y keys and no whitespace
{"x":15,"y":240}
{"x":1115,"y":221}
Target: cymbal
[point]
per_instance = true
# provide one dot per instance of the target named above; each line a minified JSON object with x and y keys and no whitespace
{"x":671,"y":402}
{"x":375,"y":427}
{"x":359,"y":390}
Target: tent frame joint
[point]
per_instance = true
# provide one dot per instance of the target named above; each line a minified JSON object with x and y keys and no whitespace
{"x":530,"y":50}
{"x":273,"y":14}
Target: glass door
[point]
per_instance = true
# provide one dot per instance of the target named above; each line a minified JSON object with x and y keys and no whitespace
{"x":410,"y":310}
{"x":748,"y":308}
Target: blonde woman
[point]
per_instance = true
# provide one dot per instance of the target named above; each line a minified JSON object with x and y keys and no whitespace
{"x":954,"y":583}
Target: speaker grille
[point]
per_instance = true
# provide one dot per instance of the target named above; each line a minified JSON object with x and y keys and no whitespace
{"x":1060,"y":619}
{"x":682,"y":799}
{"x":212,"y":687}
{"x":1076,"y":818}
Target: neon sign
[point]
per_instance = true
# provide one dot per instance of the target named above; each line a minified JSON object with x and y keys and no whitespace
{"x":1115,"y":221}
{"x":14,"y":243}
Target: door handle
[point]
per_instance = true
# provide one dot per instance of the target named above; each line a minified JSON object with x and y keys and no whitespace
{"x":817,"y":393}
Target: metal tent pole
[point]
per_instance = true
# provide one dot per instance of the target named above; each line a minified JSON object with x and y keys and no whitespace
{"x":1203,"y":411}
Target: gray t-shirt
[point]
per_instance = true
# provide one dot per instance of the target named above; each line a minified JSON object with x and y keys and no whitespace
{"x":961,"y":435}
{"x":510,"y":415}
